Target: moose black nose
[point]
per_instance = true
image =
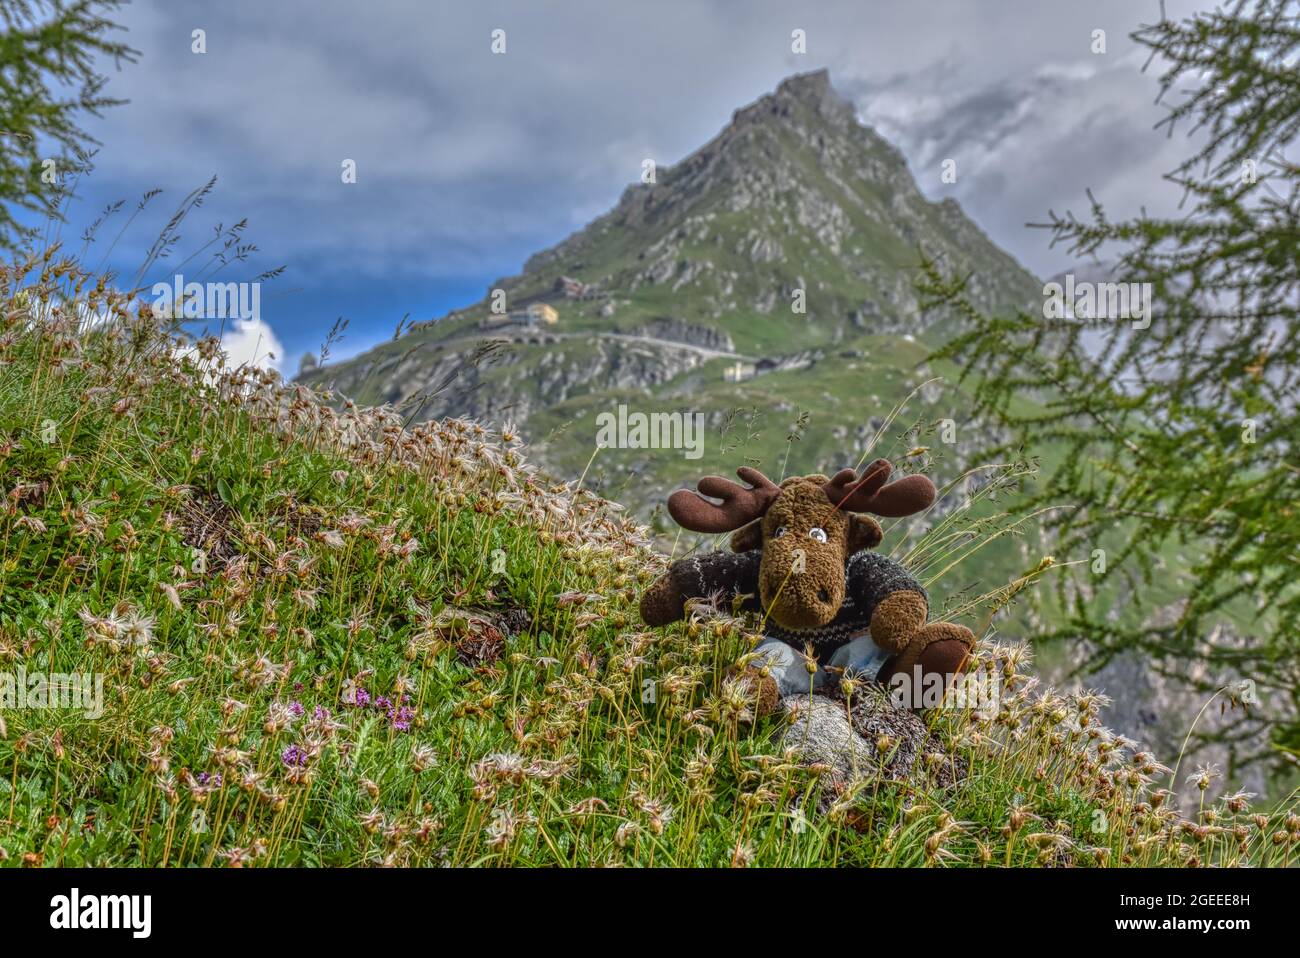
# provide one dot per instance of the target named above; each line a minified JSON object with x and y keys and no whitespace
{"x":823,"y":595}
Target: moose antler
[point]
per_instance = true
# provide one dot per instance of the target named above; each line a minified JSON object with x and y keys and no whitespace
{"x":868,"y":493}
{"x":739,"y":507}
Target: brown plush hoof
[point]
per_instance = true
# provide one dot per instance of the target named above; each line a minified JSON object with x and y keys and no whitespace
{"x":946,"y":657}
{"x":767,"y":696}
{"x":920,"y":675}
{"x":661,"y":603}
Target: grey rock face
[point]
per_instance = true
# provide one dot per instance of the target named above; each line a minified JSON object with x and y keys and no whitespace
{"x":679,"y":331}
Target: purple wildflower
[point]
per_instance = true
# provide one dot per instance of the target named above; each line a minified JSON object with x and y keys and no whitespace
{"x":294,"y":756}
{"x":401,"y":718}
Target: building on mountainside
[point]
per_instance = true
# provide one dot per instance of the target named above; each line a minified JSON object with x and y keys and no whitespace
{"x":541,"y":313}
{"x":738,"y":372}
{"x":571,"y":288}
{"x":533,"y":315}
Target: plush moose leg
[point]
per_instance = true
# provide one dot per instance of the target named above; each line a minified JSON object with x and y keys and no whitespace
{"x":662,"y":602}
{"x":724,"y":574}
{"x":775,"y":670}
{"x":924,"y":655}
{"x":762,"y":688}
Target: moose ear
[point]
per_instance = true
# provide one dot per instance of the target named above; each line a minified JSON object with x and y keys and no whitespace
{"x":864,"y":533}
{"x":748,"y":538}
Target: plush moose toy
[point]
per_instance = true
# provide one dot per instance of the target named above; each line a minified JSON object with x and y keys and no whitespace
{"x":800,"y":559}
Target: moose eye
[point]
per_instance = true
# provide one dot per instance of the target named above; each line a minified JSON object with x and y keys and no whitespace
{"x":780,"y":531}
{"x":817,"y":533}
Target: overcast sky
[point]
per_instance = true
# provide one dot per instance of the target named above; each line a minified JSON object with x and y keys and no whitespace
{"x":467,"y":162}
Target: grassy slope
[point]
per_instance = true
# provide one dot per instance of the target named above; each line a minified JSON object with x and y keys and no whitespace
{"x":343,"y":554}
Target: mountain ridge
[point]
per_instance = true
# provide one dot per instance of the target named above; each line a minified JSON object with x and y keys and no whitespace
{"x":793,"y":199}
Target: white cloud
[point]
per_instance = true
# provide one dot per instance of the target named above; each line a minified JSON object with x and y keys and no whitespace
{"x":468,"y":162}
{"x":253,"y":342}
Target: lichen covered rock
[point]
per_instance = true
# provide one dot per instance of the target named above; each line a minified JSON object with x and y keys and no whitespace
{"x":872,"y":739}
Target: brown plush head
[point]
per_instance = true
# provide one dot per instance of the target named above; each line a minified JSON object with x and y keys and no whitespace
{"x":807,"y":527}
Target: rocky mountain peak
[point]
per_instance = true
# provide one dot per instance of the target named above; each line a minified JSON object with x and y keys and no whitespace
{"x":797,"y":97}
{"x":760,"y":161}
{"x":814,"y":90}
{"x":794,"y":232}
{"x":814,"y":84}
